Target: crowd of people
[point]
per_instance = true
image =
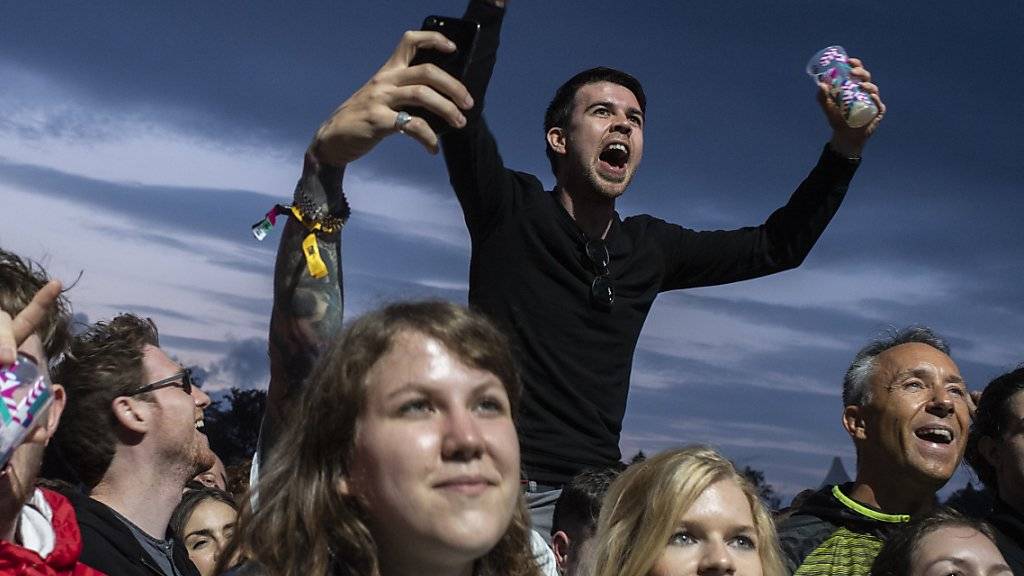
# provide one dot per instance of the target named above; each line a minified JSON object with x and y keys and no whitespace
{"x":434,"y":438}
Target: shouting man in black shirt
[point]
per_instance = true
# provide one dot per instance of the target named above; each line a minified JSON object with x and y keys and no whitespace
{"x":568,"y":279}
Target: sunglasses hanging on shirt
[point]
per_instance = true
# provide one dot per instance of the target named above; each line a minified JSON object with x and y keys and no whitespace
{"x":602,"y":291}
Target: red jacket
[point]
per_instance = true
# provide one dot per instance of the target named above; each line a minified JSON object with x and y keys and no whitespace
{"x":63,"y":561}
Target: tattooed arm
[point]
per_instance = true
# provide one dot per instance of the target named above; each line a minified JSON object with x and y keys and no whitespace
{"x":307,"y":311}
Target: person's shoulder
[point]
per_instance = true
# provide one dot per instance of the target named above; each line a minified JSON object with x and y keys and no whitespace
{"x":641,"y":226}
{"x":808,"y":515}
{"x":90,"y":511}
{"x":800,"y":534}
{"x":102,"y":532}
{"x":645,"y":221}
{"x":1009,"y":532}
{"x":55,"y":499}
{"x":529,"y":183}
{"x":800,"y":522}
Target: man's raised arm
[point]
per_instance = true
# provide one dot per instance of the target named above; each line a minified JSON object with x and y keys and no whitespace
{"x":308,"y":308}
{"x":308,"y":294}
{"x":482,"y":184}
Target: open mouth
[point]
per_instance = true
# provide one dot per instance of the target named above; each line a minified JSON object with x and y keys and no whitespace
{"x":201,"y":427}
{"x":935,"y":434}
{"x":615,"y":155}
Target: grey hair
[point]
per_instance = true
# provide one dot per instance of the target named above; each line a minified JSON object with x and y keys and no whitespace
{"x":856,"y":391}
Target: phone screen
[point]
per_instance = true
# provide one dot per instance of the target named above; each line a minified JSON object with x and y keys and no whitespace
{"x":463,"y":33}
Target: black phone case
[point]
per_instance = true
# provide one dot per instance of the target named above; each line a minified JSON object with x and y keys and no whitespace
{"x":464,"y":34}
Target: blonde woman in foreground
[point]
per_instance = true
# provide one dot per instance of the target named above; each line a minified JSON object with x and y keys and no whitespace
{"x":683,"y":512}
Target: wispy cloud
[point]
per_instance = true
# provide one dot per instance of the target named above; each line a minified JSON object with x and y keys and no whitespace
{"x":244,"y":365}
{"x":140,"y":151}
{"x":444,"y":285}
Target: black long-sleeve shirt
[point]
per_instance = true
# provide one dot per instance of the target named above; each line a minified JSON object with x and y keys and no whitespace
{"x":529,"y":272}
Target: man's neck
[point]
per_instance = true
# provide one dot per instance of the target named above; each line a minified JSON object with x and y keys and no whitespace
{"x":8,"y":528}
{"x":897,"y":496}
{"x":10,"y":512}
{"x":143,"y":493}
{"x":592,"y":212}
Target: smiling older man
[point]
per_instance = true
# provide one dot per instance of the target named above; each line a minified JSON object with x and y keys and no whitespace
{"x":907,"y":411}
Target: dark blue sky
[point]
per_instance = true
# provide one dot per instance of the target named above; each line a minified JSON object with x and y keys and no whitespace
{"x":138,"y":142}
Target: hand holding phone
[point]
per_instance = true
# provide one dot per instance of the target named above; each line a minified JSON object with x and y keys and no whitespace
{"x":464,"y":34}
{"x":401,"y":88}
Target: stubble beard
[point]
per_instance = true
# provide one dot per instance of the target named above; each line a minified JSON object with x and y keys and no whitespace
{"x":196,"y":458}
{"x":607,"y":187}
{"x":203,"y":458}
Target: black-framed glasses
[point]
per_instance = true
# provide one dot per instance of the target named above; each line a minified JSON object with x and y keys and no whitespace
{"x":181,"y":380}
{"x":602,"y":291}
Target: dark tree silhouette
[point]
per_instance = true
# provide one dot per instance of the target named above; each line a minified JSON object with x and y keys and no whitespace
{"x":638,"y":457}
{"x":764,"y":489}
{"x":233,"y":424}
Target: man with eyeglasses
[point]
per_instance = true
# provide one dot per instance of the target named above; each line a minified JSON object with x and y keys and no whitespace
{"x":569,"y":281}
{"x":132,"y":435}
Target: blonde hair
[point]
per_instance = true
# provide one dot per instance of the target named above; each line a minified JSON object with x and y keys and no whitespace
{"x":642,"y":508}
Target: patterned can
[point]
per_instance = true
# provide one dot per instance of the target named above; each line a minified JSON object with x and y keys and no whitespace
{"x":832,"y":67}
{"x":25,"y":392}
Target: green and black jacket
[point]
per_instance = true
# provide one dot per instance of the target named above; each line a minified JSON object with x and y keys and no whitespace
{"x":831,"y":534}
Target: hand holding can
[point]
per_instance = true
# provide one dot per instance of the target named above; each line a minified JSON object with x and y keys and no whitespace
{"x":831,"y":66}
{"x":25,"y":392}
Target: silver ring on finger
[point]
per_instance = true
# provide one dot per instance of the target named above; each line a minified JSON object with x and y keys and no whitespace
{"x":401,"y":120}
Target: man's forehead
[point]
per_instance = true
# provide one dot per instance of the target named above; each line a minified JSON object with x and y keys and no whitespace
{"x":605,"y":90}
{"x":157,"y":363}
{"x":915,"y":358}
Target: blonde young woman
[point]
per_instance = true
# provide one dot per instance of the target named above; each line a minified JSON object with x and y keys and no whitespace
{"x":683,"y":512}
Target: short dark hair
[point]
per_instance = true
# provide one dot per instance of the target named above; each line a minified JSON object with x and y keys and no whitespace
{"x":990,"y":420}
{"x":190,"y":500}
{"x":102,"y":363}
{"x":894,"y":557}
{"x":856,"y":391}
{"x":559,"y":111}
{"x":579,"y":504}
{"x":20,"y":279}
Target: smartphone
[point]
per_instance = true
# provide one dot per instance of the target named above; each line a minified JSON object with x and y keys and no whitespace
{"x":25,"y":392}
{"x":464,"y":34}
